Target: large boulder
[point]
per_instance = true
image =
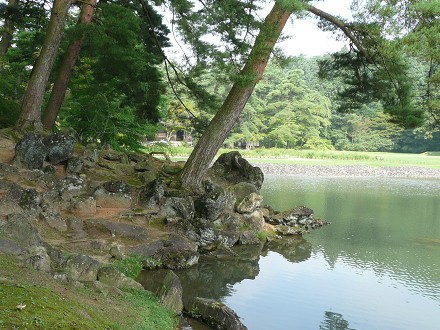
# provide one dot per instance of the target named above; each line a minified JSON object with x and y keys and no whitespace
{"x":152,"y":195}
{"x":30,"y":151}
{"x":54,"y":220}
{"x":110,"y":275}
{"x":213,"y":204}
{"x":234,"y":169}
{"x":216,"y":314}
{"x":101,"y":227}
{"x":20,"y":229}
{"x":166,"y":285}
{"x":114,"y":194}
{"x":250,"y":203}
{"x":18,"y":199}
{"x":59,"y":147}
{"x":176,"y":252}
{"x":178,"y":207}
{"x":38,"y":258}
{"x":81,"y":268}
{"x":64,"y":191}
{"x":171,"y":258}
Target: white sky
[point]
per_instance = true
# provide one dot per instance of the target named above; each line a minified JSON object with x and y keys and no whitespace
{"x":307,"y":39}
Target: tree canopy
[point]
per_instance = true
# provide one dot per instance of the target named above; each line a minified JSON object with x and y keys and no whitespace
{"x":385,"y":81}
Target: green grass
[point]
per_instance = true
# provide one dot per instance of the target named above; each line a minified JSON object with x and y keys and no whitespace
{"x":130,"y":266}
{"x":46,"y":309}
{"x":330,"y":157}
{"x":53,"y":305}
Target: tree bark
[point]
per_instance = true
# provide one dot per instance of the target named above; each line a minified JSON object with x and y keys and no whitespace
{"x":204,"y":152}
{"x":9,"y":28}
{"x":30,"y":116}
{"x":65,"y":74}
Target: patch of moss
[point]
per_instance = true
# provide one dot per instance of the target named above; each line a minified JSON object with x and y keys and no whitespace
{"x":52,"y":305}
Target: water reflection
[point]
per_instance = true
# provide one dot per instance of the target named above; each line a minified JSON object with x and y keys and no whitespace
{"x":214,"y":277}
{"x":377,"y":264}
{"x":293,"y":249}
{"x":334,"y":321}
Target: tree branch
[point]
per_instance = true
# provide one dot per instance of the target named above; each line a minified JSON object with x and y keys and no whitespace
{"x":341,"y":25}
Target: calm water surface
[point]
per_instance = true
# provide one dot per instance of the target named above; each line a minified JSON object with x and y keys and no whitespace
{"x":377,"y":266}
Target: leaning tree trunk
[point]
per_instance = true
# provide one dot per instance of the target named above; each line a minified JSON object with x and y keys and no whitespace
{"x":70,"y":57}
{"x":8,"y":28}
{"x":33,"y":97}
{"x":215,"y":134}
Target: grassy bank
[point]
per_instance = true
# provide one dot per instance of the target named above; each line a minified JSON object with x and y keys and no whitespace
{"x":329,"y":157}
{"x":54,"y":305}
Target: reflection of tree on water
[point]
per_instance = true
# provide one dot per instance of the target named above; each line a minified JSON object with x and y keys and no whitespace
{"x":293,"y":249}
{"x":214,"y":277}
{"x":334,"y":321}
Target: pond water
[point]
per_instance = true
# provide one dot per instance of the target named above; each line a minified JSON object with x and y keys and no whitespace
{"x":377,"y":266}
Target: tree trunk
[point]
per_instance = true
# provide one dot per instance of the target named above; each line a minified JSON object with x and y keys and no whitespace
{"x":69,"y":60}
{"x":8,"y":28}
{"x":33,"y":97}
{"x":215,"y":134}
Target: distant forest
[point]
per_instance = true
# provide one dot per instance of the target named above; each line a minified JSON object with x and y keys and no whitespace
{"x":120,"y":93}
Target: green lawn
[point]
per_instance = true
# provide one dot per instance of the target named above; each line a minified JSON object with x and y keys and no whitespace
{"x":330,"y":157}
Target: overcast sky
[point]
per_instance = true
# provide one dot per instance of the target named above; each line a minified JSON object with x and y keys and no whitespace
{"x":308,"y":39}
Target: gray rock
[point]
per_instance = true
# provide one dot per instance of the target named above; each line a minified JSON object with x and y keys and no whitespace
{"x":117,"y":252}
{"x":38,"y":259}
{"x":75,"y":226}
{"x":234,"y":169}
{"x":59,"y":147}
{"x":18,"y":199}
{"x":74,"y":165}
{"x":54,"y":220}
{"x":10,"y":246}
{"x":30,"y":151}
{"x":152,"y":195}
{"x":84,"y":206}
{"x":115,"y":229}
{"x":241,"y":190}
{"x":110,"y":275}
{"x":211,"y":205}
{"x":250,"y":203}
{"x":171,"y":258}
{"x":114,"y":194}
{"x":300,"y":215}
{"x":216,"y":314}
{"x":19,"y":228}
{"x":174,"y":240}
{"x":176,"y":207}
{"x":172,"y":168}
{"x":117,"y":187}
{"x":49,"y":169}
{"x":64,"y":190}
{"x":166,"y":285}
{"x":81,"y":268}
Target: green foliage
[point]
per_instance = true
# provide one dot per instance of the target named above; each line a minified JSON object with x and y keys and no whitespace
{"x":130,"y":266}
{"x":116,"y":90}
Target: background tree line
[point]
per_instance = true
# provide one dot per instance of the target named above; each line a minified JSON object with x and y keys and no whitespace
{"x":119,"y":90}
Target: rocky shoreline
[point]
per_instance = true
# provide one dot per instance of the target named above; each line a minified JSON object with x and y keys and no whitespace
{"x":354,"y":171}
{"x":81,"y":213}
